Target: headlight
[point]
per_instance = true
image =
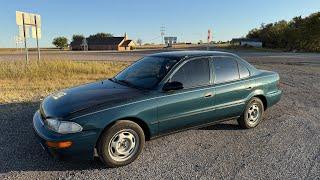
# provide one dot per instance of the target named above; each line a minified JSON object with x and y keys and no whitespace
{"x":63,"y":127}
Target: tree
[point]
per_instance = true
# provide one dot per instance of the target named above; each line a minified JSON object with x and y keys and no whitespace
{"x":98,"y":37}
{"x":297,"y":34}
{"x":77,"y":38}
{"x":139,"y":41}
{"x":60,"y":42}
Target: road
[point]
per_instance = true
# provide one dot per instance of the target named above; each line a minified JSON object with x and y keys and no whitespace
{"x":286,"y":145}
{"x":135,"y":55}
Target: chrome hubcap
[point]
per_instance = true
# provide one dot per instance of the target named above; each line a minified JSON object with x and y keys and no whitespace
{"x":123,"y":145}
{"x":253,"y":114}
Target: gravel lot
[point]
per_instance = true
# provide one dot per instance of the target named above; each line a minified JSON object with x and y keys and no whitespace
{"x":286,"y":145}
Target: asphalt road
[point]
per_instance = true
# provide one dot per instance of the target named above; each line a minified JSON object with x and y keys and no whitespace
{"x":135,"y":55}
{"x":286,"y":145}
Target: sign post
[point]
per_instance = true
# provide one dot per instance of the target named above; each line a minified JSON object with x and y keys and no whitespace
{"x":25,"y":39}
{"x":37,"y":37}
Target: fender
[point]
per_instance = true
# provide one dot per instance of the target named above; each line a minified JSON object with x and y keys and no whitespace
{"x":256,"y":92}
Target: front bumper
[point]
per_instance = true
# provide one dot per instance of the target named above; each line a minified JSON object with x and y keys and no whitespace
{"x":83,"y":143}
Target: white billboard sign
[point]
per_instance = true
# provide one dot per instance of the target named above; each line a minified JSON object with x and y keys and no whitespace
{"x":34,"y":32}
{"x":19,"y":20}
{"x":29,"y":19}
{"x":25,"y":21}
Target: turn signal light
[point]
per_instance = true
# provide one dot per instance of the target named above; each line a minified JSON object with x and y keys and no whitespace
{"x":60,"y":145}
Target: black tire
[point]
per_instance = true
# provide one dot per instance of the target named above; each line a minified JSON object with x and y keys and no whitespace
{"x":244,"y":120}
{"x":106,"y":154}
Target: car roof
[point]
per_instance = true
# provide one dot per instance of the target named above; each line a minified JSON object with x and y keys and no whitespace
{"x":190,"y":54}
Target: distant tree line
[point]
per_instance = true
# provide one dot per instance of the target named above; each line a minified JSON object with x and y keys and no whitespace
{"x":302,"y":34}
{"x":62,"y":42}
{"x":78,"y":39}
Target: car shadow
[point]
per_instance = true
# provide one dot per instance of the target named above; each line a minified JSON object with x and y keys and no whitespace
{"x":19,"y":148}
{"x":229,"y":125}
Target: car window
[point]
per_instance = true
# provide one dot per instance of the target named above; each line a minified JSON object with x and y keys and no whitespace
{"x":225,"y":69}
{"x":193,"y":73}
{"x":243,"y":70}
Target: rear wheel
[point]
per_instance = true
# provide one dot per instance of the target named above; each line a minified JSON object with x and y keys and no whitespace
{"x":253,"y":114}
{"x":121,"y":143}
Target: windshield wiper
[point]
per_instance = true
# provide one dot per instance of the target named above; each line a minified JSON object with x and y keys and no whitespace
{"x":124,"y":82}
{"x":113,"y":79}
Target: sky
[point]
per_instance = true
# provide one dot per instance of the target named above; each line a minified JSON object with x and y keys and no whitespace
{"x":189,"y":20}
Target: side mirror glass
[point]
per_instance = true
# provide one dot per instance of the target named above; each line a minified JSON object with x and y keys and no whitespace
{"x":175,"y":85}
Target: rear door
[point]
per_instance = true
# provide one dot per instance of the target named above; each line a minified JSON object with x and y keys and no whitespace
{"x":232,"y":86}
{"x":193,"y":104}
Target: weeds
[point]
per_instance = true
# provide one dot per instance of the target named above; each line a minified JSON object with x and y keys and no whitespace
{"x":19,"y":82}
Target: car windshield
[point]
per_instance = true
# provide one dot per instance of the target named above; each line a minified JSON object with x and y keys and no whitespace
{"x":145,"y":73}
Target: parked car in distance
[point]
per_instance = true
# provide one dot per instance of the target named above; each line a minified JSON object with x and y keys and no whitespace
{"x":157,"y":95}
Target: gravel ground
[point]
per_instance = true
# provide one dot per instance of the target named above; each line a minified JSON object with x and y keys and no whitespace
{"x":286,"y":145}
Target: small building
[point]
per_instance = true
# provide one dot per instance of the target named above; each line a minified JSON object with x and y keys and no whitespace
{"x":246,"y":42}
{"x":109,"y":43}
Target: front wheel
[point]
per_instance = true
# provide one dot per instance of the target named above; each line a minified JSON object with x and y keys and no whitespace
{"x":253,"y":114}
{"x":121,"y":144}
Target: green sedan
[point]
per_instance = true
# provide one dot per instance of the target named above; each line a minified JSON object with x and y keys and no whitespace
{"x":157,"y":95}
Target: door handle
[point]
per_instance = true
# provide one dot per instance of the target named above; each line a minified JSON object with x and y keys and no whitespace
{"x":207,"y":95}
{"x":249,"y":88}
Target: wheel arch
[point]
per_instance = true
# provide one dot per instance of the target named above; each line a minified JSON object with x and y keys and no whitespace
{"x":140,"y":122}
{"x":263,"y":99}
{"x":259,"y":93}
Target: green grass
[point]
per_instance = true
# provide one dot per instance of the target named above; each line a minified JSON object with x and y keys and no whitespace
{"x":20,"y":82}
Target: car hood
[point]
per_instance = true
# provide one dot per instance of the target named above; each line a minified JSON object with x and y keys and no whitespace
{"x":80,"y":98}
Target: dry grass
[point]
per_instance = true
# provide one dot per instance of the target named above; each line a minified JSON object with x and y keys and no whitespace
{"x":20,"y":83}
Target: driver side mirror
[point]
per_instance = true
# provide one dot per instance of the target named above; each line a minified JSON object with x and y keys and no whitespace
{"x":175,"y":85}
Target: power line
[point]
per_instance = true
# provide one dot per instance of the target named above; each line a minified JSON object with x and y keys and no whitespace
{"x":155,"y":38}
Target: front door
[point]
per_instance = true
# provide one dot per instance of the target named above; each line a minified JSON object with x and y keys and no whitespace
{"x":193,"y":104}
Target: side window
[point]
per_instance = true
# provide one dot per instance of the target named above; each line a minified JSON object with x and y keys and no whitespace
{"x":193,"y":73}
{"x":225,"y":69}
{"x":243,"y":70}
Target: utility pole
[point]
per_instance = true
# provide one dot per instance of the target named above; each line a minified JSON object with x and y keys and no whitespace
{"x":162,"y":32}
